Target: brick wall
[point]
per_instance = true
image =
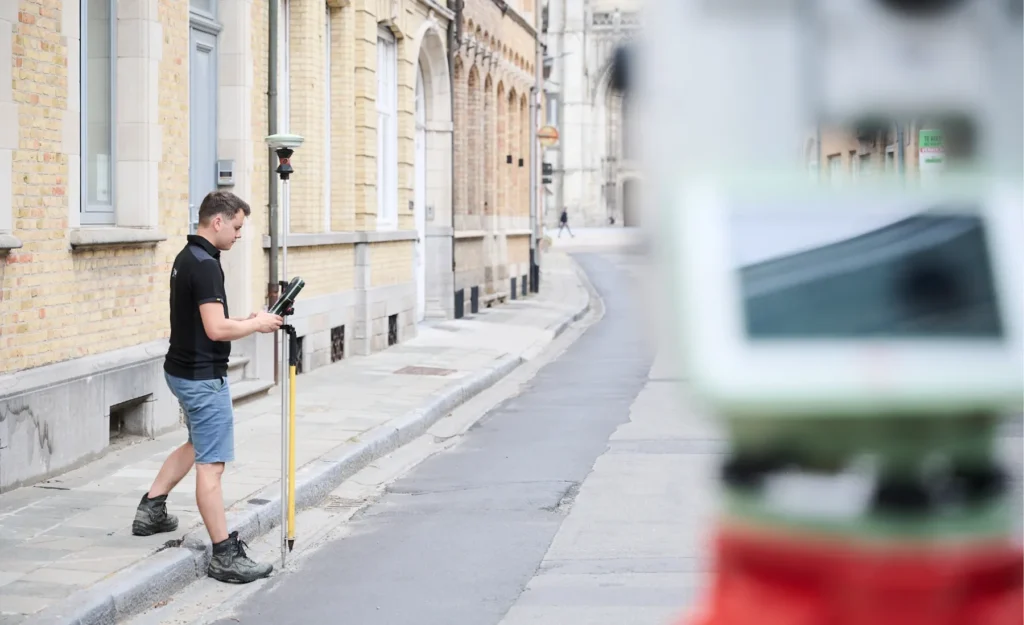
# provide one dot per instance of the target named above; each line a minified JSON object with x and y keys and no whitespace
{"x":391,"y":263}
{"x":57,"y":304}
{"x":488,"y":126}
{"x":353,"y":149}
{"x":343,"y":118}
{"x":518,"y":249}
{"x":326,"y":269}
{"x":306,"y":105}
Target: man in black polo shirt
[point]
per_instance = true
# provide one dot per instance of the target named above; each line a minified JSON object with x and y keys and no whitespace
{"x":196,"y":370}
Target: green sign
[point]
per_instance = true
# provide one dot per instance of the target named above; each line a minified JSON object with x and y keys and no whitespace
{"x":931,"y":151}
{"x":930,"y":139}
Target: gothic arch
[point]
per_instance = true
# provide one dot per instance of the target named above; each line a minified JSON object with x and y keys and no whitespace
{"x":524,"y":152}
{"x":474,"y":203}
{"x":501,"y":134}
{"x":490,"y":153}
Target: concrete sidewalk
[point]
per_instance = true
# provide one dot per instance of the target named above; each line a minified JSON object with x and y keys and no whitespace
{"x":66,"y":550}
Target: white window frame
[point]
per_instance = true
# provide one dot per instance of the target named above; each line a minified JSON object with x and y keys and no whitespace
{"x":97,"y":214}
{"x":136,"y":132}
{"x":387,"y":130}
{"x":328,"y":130}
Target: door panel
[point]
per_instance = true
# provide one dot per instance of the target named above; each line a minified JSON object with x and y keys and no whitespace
{"x":202,"y":121}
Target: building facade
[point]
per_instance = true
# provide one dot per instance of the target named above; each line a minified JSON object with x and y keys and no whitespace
{"x":129,"y":111}
{"x":841,"y":155}
{"x":595,"y":170}
{"x":494,"y":77}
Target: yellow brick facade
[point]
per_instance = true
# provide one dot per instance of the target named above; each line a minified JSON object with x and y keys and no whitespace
{"x":494,"y":72}
{"x":390,"y":263}
{"x":84,"y":299}
{"x":58,"y":303}
{"x":846,"y":154}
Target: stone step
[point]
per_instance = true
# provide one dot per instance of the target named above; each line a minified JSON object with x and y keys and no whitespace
{"x":236,"y":368}
{"x":249,"y":389}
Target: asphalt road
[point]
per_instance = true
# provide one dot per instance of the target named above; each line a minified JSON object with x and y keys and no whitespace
{"x":458,"y":539}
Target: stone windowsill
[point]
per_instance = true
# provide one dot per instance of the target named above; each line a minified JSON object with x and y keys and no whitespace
{"x":89,"y":237}
{"x":9,"y":242}
{"x":342,"y":238}
{"x":471,"y":234}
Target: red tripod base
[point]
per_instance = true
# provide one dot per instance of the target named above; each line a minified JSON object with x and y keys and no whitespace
{"x":763,"y":580}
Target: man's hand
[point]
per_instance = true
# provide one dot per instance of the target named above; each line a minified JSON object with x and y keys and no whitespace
{"x":266,"y":322}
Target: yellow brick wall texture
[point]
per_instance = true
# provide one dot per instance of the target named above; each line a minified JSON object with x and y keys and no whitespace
{"x":391,"y":263}
{"x":471,"y":258}
{"x":57,"y":304}
{"x":326,"y":269}
{"x":492,"y":115}
{"x":343,"y":117}
{"x":518,"y":249}
{"x":843,"y":144}
{"x":353,"y":149}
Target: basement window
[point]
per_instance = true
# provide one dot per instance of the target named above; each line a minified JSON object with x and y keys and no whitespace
{"x":392,"y":330}
{"x":337,"y":343}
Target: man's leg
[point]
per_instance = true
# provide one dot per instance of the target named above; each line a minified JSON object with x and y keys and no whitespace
{"x":210,"y":499}
{"x":176,"y":467}
{"x":213,"y":433}
{"x":151,"y":515}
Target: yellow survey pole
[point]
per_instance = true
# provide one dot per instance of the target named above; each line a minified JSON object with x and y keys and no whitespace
{"x":285,"y":145}
{"x":291,"y":447}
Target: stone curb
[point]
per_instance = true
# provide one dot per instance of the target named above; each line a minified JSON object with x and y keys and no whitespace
{"x":136,"y":588}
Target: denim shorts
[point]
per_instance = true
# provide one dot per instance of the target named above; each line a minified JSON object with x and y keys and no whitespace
{"x":208,"y":416}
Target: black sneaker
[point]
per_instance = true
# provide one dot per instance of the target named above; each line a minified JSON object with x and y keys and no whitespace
{"x":230,"y":564}
{"x":151,"y":517}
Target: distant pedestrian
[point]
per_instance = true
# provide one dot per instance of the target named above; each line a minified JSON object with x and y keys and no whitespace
{"x":196,"y":369}
{"x":563,"y":222}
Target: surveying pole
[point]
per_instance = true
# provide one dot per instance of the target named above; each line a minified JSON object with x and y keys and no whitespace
{"x":285,"y":146}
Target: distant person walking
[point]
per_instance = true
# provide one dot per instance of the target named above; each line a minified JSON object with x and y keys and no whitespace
{"x":196,"y":369}
{"x":563,"y":222}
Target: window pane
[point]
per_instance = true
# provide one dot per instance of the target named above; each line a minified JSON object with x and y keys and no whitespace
{"x":99,"y":148}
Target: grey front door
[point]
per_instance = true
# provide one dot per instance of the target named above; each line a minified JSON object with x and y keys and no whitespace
{"x":202,"y":169}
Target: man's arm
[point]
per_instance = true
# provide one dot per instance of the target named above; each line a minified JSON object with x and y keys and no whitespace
{"x":207,"y":285}
{"x":220,"y":328}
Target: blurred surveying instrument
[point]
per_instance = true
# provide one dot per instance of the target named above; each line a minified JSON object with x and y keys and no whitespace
{"x":837,"y":188}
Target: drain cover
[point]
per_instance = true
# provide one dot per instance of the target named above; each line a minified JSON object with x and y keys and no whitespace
{"x":414,"y":370}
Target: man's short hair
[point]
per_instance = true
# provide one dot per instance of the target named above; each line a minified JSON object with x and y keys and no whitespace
{"x":223,"y":203}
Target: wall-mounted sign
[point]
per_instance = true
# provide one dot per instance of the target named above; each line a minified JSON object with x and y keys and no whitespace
{"x":548,"y":136}
{"x":931,"y":152}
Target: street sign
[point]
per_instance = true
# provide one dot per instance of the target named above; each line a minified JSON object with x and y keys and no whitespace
{"x":548,"y":136}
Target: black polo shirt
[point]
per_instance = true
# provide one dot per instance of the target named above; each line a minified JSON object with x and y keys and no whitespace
{"x":196,"y":278}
